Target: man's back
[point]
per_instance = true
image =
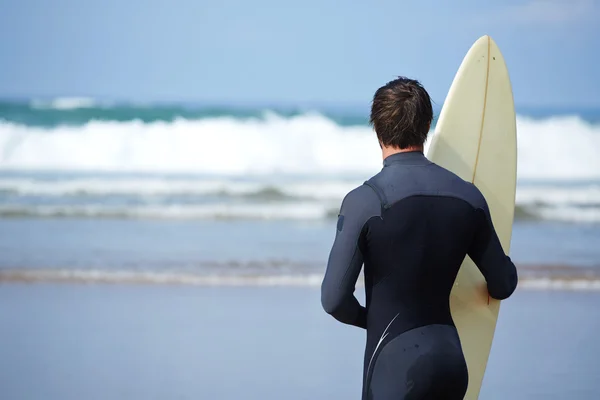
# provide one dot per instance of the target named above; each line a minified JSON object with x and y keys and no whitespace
{"x":411,"y":225}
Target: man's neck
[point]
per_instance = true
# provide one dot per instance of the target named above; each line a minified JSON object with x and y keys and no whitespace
{"x":388,"y":151}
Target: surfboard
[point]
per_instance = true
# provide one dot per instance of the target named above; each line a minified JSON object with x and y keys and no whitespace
{"x":475,"y":137}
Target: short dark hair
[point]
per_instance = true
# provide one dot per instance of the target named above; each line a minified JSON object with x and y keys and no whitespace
{"x":401,"y":113}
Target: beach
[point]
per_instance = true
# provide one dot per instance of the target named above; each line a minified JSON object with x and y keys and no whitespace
{"x":100,"y":341}
{"x":139,"y":262}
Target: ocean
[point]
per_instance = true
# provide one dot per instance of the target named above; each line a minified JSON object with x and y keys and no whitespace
{"x":108,"y":173}
{"x":176,"y":250}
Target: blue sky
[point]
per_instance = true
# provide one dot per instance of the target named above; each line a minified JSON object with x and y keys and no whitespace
{"x":284,"y":51}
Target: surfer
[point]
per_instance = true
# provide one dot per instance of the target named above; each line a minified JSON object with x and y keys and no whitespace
{"x":411,"y":224}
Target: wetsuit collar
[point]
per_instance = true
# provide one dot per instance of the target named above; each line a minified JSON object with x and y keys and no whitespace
{"x":406,"y":158}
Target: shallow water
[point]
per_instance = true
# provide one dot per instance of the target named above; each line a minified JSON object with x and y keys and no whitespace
{"x":158,"y":244}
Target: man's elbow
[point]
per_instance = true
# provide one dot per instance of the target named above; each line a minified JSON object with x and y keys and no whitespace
{"x":506,"y":289}
{"x":344,"y":308}
{"x":331,"y":303}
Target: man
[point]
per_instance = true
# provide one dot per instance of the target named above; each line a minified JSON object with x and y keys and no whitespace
{"x":412,"y":225}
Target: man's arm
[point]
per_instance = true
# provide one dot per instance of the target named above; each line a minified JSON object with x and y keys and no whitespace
{"x":346,"y":258}
{"x":488,"y":254}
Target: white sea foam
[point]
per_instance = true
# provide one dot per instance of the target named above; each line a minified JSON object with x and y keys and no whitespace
{"x":261,"y":198}
{"x":573,"y":203}
{"x":225,"y":146}
{"x":153,"y":186}
{"x":581,"y":194}
{"x":183,"y":278}
{"x":564,"y":148}
{"x":64,"y":103}
{"x":308,"y":162}
{"x":287,"y":211}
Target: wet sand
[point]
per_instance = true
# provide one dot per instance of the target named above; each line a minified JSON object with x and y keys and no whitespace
{"x":71,"y":342}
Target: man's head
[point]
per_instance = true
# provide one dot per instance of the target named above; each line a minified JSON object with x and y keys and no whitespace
{"x":401,"y":114}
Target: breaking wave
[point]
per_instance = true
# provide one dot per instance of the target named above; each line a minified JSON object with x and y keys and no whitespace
{"x":563,"y":148}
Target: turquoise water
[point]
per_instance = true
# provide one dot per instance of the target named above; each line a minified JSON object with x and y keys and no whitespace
{"x":79,"y":111}
{"x":75,"y":112}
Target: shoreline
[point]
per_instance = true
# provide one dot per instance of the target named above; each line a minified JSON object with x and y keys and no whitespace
{"x":539,"y":277}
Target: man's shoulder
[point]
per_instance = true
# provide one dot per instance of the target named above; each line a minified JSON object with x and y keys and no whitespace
{"x":361,"y":200}
{"x":462,"y":187}
{"x":363,"y":193}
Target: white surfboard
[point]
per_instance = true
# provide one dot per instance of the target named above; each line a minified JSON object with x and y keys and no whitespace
{"x":475,"y":137}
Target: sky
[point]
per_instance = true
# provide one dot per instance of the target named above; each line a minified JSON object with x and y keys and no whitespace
{"x":309,"y":51}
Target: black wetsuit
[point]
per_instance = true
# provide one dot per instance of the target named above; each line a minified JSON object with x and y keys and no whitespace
{"x":411,"y":225}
